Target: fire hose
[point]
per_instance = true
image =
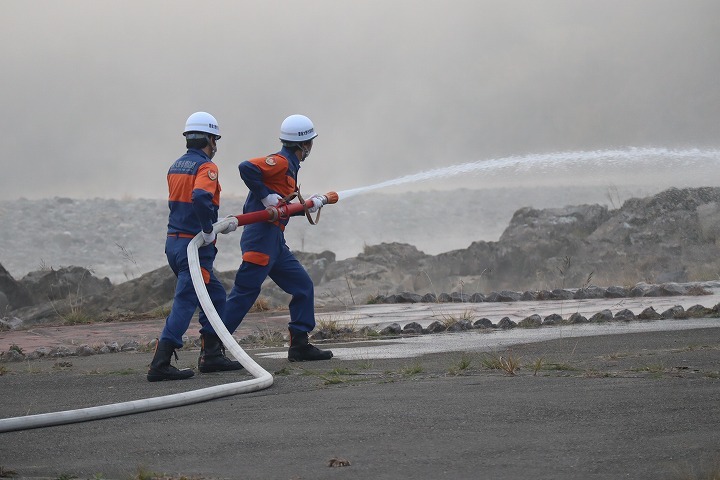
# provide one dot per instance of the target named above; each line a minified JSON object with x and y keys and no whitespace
{"x":262,"y":378}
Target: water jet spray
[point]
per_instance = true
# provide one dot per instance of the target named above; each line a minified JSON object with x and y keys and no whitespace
{"x":608,"y":159}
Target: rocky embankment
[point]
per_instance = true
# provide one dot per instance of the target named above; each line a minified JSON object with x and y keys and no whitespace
{"x":650,"y":246}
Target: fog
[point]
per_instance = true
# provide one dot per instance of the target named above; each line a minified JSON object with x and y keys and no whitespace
{"x":95,"y":93}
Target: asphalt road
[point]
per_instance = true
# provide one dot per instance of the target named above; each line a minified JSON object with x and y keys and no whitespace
{"x":636,"y":405}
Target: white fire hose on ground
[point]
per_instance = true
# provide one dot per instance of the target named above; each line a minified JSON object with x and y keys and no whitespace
{"x":262,"y":378}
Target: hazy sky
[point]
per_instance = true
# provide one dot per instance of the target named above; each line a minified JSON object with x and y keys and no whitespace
{"x":95,"y":93}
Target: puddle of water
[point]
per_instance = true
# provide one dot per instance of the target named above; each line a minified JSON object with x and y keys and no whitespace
{"x":479,"y":341}
{"x":379,"y":316}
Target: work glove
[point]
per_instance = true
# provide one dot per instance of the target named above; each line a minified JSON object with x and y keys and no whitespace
{"x":271,"y":200}
{"x":231,"y":226}
{"x":208,"y":238}
{"x":317,"y":200}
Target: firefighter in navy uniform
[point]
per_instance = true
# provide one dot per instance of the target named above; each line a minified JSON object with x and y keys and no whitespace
{"x":264,"y":251}
{"x":194,"y":200}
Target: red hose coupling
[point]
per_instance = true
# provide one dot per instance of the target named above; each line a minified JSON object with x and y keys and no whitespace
{"x":273,"y":214}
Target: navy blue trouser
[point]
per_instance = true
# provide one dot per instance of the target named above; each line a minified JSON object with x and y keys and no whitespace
{"x":285,"y":270}
{"x":186,"y":301}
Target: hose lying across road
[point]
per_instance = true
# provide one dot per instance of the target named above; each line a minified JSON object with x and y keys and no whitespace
{"x":262,"y":379}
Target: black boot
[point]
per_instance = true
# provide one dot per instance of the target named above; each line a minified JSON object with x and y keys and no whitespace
{"x":301,"y":350}
{"x":160,"y":368}
{"x":212,"y":355}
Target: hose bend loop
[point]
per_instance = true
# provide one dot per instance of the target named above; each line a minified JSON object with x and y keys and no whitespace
{"x":262,"y":379}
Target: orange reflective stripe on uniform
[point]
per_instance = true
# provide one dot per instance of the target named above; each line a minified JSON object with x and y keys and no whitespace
{"x":257,"y":258}
{"x":205,"y":275}
{"x":180,"y":187}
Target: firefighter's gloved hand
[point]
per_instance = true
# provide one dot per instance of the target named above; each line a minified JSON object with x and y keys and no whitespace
{"x":208,"y":238}
{"x":317,"y":200}
{"x":271,"y":200}
{"x":231,"y":226}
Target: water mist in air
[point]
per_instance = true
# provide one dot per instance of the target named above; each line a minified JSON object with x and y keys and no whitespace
{"x":608,"y":158}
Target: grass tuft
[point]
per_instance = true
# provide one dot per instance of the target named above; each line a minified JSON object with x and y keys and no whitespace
{"x":334,"y":328}
{"x":16,"y":348}
{"x":337,"y":376}
{"x":462,"y":365}
{"x":262,"y":304}
{"x":537,"y":365}
{"x":160,"y":311}
{"x":77,"y":317}
{"x":508,"y":363}
{"x":449,"y":320}
{"x":264,"y":337}
{"x":283,"y":371}
{"x":413,"y":369}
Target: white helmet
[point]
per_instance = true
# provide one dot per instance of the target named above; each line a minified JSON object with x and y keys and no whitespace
{"x":297,"y":128}
{"x":202,"y":122}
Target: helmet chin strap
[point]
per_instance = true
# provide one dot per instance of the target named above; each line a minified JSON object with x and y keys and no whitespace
{"x":213,"y":146}
{"x":305,"y":152}
{"x":305,"y":149}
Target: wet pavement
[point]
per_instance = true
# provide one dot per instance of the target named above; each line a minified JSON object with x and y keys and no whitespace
{"x":375,"y":316}
{"x":616,"y":400}
{"x":639,"y":405}
{"x":484,"y":341}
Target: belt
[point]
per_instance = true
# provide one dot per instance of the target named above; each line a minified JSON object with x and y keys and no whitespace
{"x":181,"y":235}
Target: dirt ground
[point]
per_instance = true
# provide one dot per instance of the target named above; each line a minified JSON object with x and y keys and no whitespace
{"x":637,"y":405}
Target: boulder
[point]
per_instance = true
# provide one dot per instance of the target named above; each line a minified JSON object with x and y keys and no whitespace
{"x":483,"y":323}
{"x":602,"y":316}
{"x":73,"y":281}
{"x":15,"y":294}
{"x":624,"y":315}
{"x":552,"y":319}
{"x":649,"y":314}
{"x":505,"y":323}
{"x":412,"y":328}
{"x":533,"y":321}
{"x":591,"y":291}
